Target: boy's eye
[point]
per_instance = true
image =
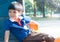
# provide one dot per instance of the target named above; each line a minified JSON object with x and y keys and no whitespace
{"x":18,"y":10}
{"x":14,"y":12}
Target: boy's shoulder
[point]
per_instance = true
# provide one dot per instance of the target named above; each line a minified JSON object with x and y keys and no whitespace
{"x":7,"y":21}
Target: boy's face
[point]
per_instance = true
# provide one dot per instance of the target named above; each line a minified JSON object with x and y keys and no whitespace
{"x":14,"y":13}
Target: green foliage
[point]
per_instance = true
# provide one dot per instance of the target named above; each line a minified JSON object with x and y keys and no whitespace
{"x":44,"y":6}
{"x":28,"y":6}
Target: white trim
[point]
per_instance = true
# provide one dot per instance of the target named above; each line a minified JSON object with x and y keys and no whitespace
{"x":12,"y":20}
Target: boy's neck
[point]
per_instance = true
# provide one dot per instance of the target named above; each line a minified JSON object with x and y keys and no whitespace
{"x":14,"y":18}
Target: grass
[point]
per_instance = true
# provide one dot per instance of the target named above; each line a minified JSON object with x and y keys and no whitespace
{"x":41,"y":18}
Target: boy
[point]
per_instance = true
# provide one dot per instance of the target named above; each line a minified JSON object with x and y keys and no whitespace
{"x":17,"y":23}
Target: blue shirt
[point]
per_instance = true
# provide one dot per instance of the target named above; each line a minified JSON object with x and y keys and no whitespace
{"x":17,"y":30}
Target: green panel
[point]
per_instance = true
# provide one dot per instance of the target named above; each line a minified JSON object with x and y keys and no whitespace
{"x":2,"y":19}
{"x":4,"y":7}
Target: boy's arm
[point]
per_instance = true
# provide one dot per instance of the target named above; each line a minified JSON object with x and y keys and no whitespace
{"x":6,"y":37}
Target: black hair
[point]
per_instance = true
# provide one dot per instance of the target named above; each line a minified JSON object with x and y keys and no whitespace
{"x":11,"y":6}
{"x":14,"y":5}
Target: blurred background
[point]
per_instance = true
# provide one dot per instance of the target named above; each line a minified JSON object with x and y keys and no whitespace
{"x":45,"y":12}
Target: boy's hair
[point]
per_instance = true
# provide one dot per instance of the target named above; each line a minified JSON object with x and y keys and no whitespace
{"x":15,"y":5}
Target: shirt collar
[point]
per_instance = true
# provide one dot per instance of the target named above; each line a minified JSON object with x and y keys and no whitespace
{"x":12,"y":20}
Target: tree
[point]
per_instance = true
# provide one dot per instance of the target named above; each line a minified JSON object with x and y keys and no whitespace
{"x":33,"y":2}
{"x":34,"y":8}
{"x":40,"y":5}
{"x":46,"y":4}
{"x":50,"y":6}
{"x":28,"y":6}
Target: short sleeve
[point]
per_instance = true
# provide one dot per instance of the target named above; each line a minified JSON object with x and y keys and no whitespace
{"x":6,"y":25}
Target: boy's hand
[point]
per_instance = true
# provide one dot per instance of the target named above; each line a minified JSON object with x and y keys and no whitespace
{"x":26,"y":28}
